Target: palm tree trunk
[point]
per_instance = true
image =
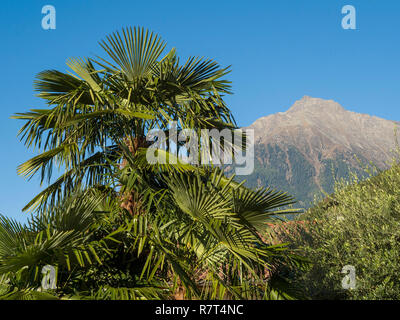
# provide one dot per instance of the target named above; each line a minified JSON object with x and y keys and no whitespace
{"x":131,"y":201}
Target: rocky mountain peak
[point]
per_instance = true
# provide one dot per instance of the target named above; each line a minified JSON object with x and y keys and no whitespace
{"x":297,"y":150}
{"x":310,"y":104}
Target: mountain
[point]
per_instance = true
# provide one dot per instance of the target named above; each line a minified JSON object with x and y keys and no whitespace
{"x":316,"y":141}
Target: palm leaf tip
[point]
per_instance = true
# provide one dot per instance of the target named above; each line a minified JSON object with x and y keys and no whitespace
{"x":134,"y":52}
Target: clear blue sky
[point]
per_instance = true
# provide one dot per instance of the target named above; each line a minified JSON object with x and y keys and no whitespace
{"x":279,"y":52}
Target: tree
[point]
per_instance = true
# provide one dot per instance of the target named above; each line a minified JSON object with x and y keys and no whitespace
{"x":97,"y":116}
{"x":118,"y":227}
{"x":197,"y":237}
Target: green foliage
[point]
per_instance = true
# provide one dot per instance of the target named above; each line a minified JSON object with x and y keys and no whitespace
{"x":358,"y":226}
{"x":105,"y":104}
{"x":117,"y":227}
{"x":199,"y":231}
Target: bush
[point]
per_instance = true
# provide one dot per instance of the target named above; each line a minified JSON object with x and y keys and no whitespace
{"x":358,"y":226}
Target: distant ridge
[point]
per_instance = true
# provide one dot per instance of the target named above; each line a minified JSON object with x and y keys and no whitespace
{"x":302,"y":149}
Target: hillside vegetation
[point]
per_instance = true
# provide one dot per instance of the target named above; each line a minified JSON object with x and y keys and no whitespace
{"x":289,"y":170}
{"x":358,"y":226}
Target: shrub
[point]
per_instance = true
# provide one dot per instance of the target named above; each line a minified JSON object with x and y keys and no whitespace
{"x":358,"y":226}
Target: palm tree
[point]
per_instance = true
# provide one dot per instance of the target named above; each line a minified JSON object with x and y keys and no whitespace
{"x":117,"y":227}
{"x":199,"y":237}
{"x":96,"y":116}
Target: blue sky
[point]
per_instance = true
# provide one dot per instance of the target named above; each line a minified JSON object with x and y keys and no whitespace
{"x":279,"y":52}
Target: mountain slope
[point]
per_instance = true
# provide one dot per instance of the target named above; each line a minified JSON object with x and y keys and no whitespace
{"x":305,"y":148}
